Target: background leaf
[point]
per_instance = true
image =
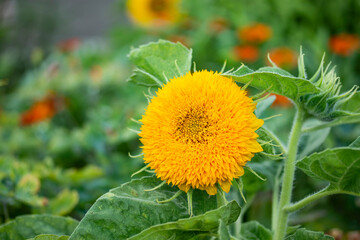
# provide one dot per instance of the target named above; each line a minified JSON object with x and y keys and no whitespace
{"x":129,"y":209}
{"x":49,"y":237}
{"x":275,"y":81}
{"x":63,"y":203}
{"x":263,"y":105}
{"x":312,"y":140}
{"x":339,"y":166}
{"x":157,"y":59}
{"x":206,"y":222}
{"x":253,"y":230}
{"x":303,"y":234}
{"x":29,"y":226}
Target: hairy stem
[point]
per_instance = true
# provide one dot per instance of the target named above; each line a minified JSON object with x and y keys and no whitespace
{"x":275,"y":199}
{"x":309,"y":199}
{"x":288,"y":177}
{"x":348,"y":120}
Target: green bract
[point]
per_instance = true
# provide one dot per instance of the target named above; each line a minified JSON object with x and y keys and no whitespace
{"x":329,"y":104}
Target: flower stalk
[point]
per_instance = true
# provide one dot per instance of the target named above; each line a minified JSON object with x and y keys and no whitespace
{"x":288,"y":177}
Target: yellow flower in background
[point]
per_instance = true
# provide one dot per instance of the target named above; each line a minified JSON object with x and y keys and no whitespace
{"x":199,"y":131}
{"x":153,"y":12}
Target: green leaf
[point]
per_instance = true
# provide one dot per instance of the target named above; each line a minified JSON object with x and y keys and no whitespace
{"x":29,"y":226}
{"x":339,"y":166}
{"x":49,"y":237}
{"x":223,"y":231}
{"x":206,"y":222}
{"x":159,"y":61}
{"x":303,"y":234}
{"x":26,"y":190}
{"x":275,"y":80}
{"x":312,"y":140}
{"x":63,"y":203}
{"x":130,"y":201}
{"x":292,"y":229}
{"x":253,"y":230}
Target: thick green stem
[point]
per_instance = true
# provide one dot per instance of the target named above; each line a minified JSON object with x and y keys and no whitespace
{"x":275,"y":199}
{"x":347,"y":120}
{"x":288,"y":177}
{"x":309,"y":199}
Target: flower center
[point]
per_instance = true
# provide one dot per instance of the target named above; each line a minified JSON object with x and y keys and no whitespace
{"x":192,"y":127}
{"x":158,"y":6}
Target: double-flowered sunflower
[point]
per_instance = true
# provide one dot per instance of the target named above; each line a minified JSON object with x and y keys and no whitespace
{"x":199,"y":132}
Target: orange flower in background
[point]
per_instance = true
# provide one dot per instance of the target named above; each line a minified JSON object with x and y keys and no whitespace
{"x":153,"y":12}
{"x":281,"y":101}
{"x":41,"y":110}
{"x":283,"y":57}
{"x":255,"y":33}
{"x":344,"y":44}
{"x":246,"y":53}
{"x":69,"y":45}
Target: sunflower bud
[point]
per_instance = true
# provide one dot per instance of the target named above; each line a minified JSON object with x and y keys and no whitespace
{"x":326,"y":105}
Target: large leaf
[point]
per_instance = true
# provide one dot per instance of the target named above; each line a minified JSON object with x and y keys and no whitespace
{"x":129,"y":209}
{"x":303,"y":234}
{"x":339,"y":166}
{"x":49,"y":237}
{"x":274,"y":80}
{"x":208,"y":221}
{"x":159,"y":61}
{"x":253,"y":230}
{"x":29,"y":226}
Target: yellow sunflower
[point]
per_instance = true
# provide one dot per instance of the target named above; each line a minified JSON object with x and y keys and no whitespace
{"x":153,"y":12}
{"x":199,"y":131}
